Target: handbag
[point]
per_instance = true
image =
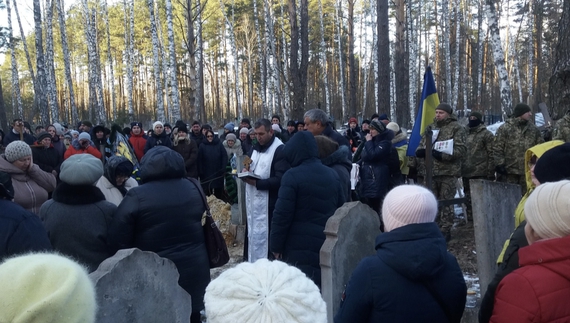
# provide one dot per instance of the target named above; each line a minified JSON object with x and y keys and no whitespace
{"x":218,"y":254}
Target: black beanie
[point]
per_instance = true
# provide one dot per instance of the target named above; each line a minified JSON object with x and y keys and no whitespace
{"x":445,"y":107}
{"x":124,"y":168}
{"x":378,"y":125}
{"x":520,"y":109}
{"x":553,"y":165}
{"x":477,"y":115}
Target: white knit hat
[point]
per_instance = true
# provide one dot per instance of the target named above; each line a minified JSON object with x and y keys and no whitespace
{"x":17,"y":150}
{"x":45,"y":288}
{"x":264,"y":292}
{"x":547,"y":210}
{"x":393,"y":126}
{"x":156,"y":124}
{"x":408,"y":204}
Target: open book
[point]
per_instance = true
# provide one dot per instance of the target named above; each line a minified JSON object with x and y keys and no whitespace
{"x":248,"y":174}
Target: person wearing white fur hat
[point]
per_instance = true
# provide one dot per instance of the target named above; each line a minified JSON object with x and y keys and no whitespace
{"x":265,"y":292}
{"x":158,"y":137}
{"x":539,"y":290}
{"x":412,"y":277}
{"x":45,"y":288}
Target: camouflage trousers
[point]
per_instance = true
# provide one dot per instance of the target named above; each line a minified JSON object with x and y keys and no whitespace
{"x":444,"y":188}
{"x":467,"y":192}
{"x":515,"y":179}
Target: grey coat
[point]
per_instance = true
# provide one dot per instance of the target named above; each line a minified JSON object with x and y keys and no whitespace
{"x":77,"y":220}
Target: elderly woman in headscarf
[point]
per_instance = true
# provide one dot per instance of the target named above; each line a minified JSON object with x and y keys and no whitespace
{"x":31,"y":184}
{"x":117,"y":180}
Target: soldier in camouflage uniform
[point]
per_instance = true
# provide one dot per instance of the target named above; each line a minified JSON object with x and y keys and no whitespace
{"x":446,"y":168}
{"x":479,"y":162}
{"x":511,"y":142}
{"x":562,"y":129}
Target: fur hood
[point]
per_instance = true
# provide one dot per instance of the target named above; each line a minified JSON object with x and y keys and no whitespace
{"x":77,"y":194}
{"x":399,"y":138}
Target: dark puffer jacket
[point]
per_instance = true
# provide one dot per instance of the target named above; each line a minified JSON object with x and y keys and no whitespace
{"x":21,"y":231}
{"x":342,"y":166}
{"x":392,"y":286}
{"x":374,"y":169}
{"x":309,"y":195}
{"x":164,"y":215}
{"x":77,"y":220}
{"x":47,"y":158}
{"x":157,"y":140}
{"x":212,"y":161}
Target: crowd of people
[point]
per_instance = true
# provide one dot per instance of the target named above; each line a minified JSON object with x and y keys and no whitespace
{"x":82,"y":195}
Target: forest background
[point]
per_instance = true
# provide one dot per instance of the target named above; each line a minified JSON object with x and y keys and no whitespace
{"x":221,"y":60}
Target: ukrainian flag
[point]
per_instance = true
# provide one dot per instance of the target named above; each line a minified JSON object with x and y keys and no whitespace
{"x":426,"y":112}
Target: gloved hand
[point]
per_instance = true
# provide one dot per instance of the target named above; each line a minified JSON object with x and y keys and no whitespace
{"x":501,"y":169}
{"x":437,"y":155}
{"x":421,"y":153}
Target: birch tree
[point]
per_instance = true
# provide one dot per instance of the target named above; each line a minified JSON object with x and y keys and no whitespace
{"x":340,"y":57}
{"x":559,"y":88}
{"x":200,"y":60}
{"x":479,"y":62}
{"x":50,"y":68}
{"x":175,"y":109}
{"x":66,"y":60}
{"x":353,"y":68}
{"x":16,"y":95}
{"x":446,"y":50}
{"x":110,"y":60}
{"x":499,"y":58}
{"x":129,"y":52}
{"x":156,"y":63}
{"x":323,"y":60}
{"x":456,"y":62}
{"x":40,"y":65}
{"x":530,"y":50}
{"x":261,"y":60}
{"x":413,"y":59}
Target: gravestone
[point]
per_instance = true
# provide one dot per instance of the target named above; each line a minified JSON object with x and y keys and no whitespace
{"x":494,"y":205}
{"x":351,"y":233}
{"x":140,"y":286}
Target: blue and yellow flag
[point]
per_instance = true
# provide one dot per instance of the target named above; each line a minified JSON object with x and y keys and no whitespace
{"x":426,"y":112}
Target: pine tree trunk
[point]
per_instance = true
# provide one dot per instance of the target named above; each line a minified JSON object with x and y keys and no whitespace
{"x":353,"y":68}
{"x":559,"y":85}
{"x":101,"y":113}
{"x":191,"y":67}
{"x":479,"y":63}
{"x":499,"y":59}
{"x":283,"y":63}
{"x":156,"y":63}
{"x":50,"y":68}
{"x":456,"y":56}
{"x":231,"y":34}
{"x":40,"y":65}
{"x":402,"y":66}
{"x":299,"y":65}
{"x":200,"y":62}
{"x":16,"y":95}
{"x":129,"y":53}
{"x":383,"y":56}
{"x":175,"y":111}
{"x":66,"y":60}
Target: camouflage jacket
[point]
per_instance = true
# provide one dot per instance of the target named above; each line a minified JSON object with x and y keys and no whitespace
{"x":449,"y":128}
{"x":479,"y":161}
{"x":562,"y":129}
{"x":511,"y":142}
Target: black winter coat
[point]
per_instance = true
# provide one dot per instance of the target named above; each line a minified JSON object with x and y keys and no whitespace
{"x":197,"y":138}
{"x":374,"y":170}
{"x":309,"y":195}
{"x":163,"y":215}
{"x":47,"y":158}
{"x":392,"y":285}
{"x":77,"y":220}
{"x":157,"y":140}
{"x":342,"y":166}
{"x":189,"y":151}
{"x":212,"y":161}
{"x":21,"y":231}
{"x":11,"y":136}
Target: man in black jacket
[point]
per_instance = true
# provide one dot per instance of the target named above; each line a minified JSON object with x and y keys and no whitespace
{"x":14,"y":134}
{"x":317,"y":122}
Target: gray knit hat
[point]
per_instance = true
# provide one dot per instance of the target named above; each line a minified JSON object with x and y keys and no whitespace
{"x":81,"y":169}
{"x":17,"y":150}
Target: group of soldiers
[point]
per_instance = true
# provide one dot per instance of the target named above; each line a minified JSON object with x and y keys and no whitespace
{"x":478,"y":154}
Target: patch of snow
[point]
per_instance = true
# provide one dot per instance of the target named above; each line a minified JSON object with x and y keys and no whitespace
{"x":493,"y":128}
